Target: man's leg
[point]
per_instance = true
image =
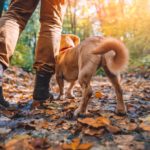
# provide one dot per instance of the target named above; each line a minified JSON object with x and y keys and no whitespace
{"x":11,"y":25}
{"x":51,"y":18}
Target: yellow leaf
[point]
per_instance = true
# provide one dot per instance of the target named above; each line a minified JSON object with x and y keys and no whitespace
{"x":76,"y":145}
{"x":85,"y":146}
{"x":98,"y":94}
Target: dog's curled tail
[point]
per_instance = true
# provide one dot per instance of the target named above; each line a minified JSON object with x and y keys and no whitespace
{"x":115,"y":63}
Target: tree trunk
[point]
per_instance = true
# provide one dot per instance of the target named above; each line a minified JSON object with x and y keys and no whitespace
{"x":1,"y":7}
{"x":74,"y":17}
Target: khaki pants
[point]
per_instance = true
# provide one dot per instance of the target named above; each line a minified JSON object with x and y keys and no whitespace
{"x":15,"y":20}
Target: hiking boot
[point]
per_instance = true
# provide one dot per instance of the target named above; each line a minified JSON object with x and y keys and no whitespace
{"x":41,"y":87}
{"x":3,"y":102}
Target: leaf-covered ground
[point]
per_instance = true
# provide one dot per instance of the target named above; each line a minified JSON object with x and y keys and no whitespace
{"x":52,"y":126}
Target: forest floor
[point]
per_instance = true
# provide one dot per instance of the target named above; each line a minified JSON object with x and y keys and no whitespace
{"x":52,"y":127}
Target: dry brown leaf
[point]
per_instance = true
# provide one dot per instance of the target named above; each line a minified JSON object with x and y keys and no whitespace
{"x":43,"y":125}
{"x":37,"y":111}
{"x":71,"y":106}
{"x":131,"y":107}
{"x":73,"y":145}
{"x":94,"y":132}
{"x":131,"y":126}
{"x":86,"y":146}
{"x":118,"y":117}
{"x":113,"y":129}
{"x":8,"y":113}
{"x":76,"y":145}
{"x":40,"y":143}
{"x":36,"y":104}
{"x":54,"y":117}
{"x":50,"y":111}
{"x":18,"y":143}
{"x":96,"y":123}
{"x":145,"y":126}
{"x":146,"y":119}
{"x":98,"y":94}
{"x":66,"y":126}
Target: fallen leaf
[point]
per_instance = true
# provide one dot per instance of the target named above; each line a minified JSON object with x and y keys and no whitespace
{"x":118,"y":117}
{"x":36,"y":104}
{"x":71,"y":106}
{"x":86,"y":146}
{"x":131,"y":126}
{"x":76,"y":145}
{"x":145,"y":127}
{"x":40,"y":143}
{"x":8,"y":114}
{"x":113,"y":129}
{"x":73,"y":145}
{"x":2,"y":146}
{"x":4,"y":131}
{"x":98,"y":94}
{"x":96,"y":123}
{"x":146,"y":119}
{"x":42,"y":125}
{"x":18,"y":143}
{"x":37,"y":111}
{"x":51,"y":112}
{"x":123,"y":139}
{"x":66,"y":126}
{"x":54,"y":117}
{"x":93,"y":132}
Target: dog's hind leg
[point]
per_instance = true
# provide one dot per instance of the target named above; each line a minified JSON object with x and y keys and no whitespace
{"x":68,"y":92}
{"x":121,"y":109}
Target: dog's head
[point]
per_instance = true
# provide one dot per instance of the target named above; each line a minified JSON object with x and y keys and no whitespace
{"x":68,"y":41}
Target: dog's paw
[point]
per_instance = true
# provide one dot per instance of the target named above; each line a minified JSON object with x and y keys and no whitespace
{"x":76,"y":112}
{"x":79,"y":113}
{"x":60,"y":97}
{"x":69,"y":96}
{"x":121,"y":112}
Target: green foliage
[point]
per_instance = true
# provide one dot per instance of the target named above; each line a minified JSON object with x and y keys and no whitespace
{"x":101,"y":72}
{"x":142,"y":61}
{"x":23,"y":57}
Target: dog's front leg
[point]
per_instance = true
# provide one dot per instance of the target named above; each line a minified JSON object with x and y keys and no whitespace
{"x":60,"y":82}
{"x":86,"y":94}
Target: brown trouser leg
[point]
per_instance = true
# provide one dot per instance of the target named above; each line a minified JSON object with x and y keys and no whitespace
{"x":12,"y":24}
{"x":51,"y":18}
{"x":14,"y":21}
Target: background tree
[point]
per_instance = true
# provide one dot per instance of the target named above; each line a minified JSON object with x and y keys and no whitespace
{"x":1,"y":6}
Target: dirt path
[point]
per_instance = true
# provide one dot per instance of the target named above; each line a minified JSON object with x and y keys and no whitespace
{"x":54,"y":128}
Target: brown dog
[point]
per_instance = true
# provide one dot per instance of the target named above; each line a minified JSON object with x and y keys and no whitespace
{"x":80,"y":62}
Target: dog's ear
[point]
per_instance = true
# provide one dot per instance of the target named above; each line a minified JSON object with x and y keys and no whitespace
{"x":75,"y":39}
{"x":68,"y":40}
